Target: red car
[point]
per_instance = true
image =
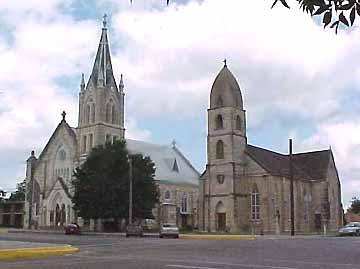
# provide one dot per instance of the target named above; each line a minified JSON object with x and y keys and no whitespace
{"x":72,"y":228}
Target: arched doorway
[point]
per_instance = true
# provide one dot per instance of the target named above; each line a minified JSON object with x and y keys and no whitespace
{"x":220,"y":217}
{"x":57,"y":215}
{"x":63,"y":215}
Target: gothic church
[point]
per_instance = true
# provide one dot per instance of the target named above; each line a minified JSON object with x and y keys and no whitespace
{"x":101,"y":119}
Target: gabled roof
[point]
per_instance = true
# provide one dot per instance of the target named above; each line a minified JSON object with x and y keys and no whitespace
{"x":62,"y":124}
{"x":308,"y":165}
{"x":165,"y":157}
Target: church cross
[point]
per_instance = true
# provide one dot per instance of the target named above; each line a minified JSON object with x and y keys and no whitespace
{"x":63,"y":114}
{"x":104,"y":20}
{"x":225,"y":62}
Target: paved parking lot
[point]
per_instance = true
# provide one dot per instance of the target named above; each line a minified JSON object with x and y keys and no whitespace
{"x":120,"y":252}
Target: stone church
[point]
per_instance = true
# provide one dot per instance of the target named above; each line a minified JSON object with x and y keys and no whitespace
{"x":247,"y":188}
{"x":101,"y":119}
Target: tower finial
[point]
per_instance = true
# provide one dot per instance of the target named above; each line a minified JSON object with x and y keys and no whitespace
{"x":104,"y":20}
{"x":82,"y":83}
{"x":63,"y":114}
{"x":121,"y":83}
{"x":225,"y":62}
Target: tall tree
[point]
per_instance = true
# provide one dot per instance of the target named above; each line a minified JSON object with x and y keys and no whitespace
{"x":355,"y":206}
{"x":102,"y":184}
{"x":19,"y":194}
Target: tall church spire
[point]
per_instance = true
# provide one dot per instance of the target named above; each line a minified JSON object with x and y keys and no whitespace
{"x":102,"y":72}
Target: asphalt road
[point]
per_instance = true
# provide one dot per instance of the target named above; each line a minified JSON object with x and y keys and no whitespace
{"x":119,"y":252}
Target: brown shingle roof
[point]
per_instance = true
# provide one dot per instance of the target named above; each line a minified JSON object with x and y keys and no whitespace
{"x":307,"y":165}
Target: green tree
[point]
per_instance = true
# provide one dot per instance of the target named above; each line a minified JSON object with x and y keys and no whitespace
{"x":2,"y":195}
{"x":19,"y":194}
{"x":332,"y":11}
{"x":101,"y":184}
{"x":355,"y":206}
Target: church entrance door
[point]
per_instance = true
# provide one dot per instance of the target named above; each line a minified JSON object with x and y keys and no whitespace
{"x":221,"y":217}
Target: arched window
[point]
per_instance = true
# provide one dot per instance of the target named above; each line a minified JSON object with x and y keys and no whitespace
{"x":219,"y":122}
{"x":219,"y":150}
{"x":167,"y":195}
{"x":255,"y":203}
{"x":87,"y":114}
{"x":62,"y":155}
{"x":184,"y":203}
{"x":107,"y":113}
{"x":219,"y":102}
{"x":92,"y":112}
{"x":238,"y":123}
{"x":112,"y":114}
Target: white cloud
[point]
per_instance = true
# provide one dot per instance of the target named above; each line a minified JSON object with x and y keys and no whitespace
{"x":170,"y":57}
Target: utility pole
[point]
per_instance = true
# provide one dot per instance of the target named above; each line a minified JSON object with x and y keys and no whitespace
{"x":32,"y":157}
{"x":291,"y":189}
{"x":130,"y":190}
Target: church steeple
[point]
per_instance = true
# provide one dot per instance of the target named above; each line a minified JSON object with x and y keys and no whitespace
{"x":102,"y":72}
{"x":101,"y":103}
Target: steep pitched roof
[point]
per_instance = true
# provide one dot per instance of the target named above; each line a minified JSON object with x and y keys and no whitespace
{"x":165,"y":157}
{"x":102,"y":72}
{"x":62,"y":124}
{"x":308,"y":165}
{"x":227,"y":89}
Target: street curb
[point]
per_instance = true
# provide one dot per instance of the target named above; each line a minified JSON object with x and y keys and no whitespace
{"x":217,"y":236}
{"x":12,"y":253}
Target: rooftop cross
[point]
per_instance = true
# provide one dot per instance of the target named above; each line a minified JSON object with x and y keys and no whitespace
{"x":104,"y":20}
{"x":225,"y":62}
{"x":173,"y":143}
{"x":63,"y":114}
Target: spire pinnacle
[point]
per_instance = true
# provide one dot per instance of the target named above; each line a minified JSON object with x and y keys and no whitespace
{"x":225,"y":62}
{"x":121,"y":83}
{"x":104,"y":20}
{"x":82,"y":83}
{"x":102,"y":72}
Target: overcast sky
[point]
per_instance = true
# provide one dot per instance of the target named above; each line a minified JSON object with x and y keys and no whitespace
{"x":297,"y":79}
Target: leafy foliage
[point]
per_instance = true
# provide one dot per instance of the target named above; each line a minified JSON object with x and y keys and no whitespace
{"x":102,"y":184}
{"x":19,"y":194}
{"x":332,"y":11}
{"x":2,"y":195}
{"x":355,"y":206}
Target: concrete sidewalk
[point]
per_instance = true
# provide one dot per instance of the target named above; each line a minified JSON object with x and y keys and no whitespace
{"x":20,"y":249}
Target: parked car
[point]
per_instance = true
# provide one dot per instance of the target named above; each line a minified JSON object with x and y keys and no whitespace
{"x":352,"y":228}
{"x":169,"y":229}
{"x":134,"y":230}
{"x":72,"y":228}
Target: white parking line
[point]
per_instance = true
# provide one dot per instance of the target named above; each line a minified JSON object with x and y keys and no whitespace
{"x":188,"y":266}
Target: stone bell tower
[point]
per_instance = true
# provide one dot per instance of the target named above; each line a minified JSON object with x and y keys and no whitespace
{"x":101,"y":102}
{"x":226,"y":144}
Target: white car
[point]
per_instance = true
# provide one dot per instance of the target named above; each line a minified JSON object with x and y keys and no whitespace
{"x":352,"y":228}
{"x":169,"y":229}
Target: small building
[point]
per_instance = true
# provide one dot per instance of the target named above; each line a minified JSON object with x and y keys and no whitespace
{"x":12,"y":214}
